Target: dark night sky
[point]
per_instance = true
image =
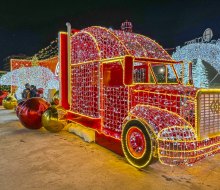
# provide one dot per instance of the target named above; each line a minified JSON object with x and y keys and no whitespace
{"x":28,"y":26}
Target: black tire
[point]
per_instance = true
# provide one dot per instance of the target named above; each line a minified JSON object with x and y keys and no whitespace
{"x":134,"y":153}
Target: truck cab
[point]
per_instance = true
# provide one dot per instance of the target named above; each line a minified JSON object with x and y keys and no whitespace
{"x":124,"y":86}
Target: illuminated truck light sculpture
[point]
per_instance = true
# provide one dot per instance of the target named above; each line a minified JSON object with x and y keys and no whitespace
{"x":125,"y":87}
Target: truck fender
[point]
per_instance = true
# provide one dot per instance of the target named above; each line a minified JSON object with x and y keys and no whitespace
{"x":155,"y":118}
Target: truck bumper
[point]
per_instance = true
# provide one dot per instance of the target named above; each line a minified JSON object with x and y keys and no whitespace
{"x":186,"y":152}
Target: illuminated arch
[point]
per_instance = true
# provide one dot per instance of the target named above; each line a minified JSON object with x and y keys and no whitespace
{"x":209,"y":52}
{"x":39,"y":76}
{"x":204,"y":51}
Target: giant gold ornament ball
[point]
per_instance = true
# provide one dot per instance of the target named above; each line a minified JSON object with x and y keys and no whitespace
{"x":9,"y":102}
{"x":56,"y":98}
{"x":51,"y":121}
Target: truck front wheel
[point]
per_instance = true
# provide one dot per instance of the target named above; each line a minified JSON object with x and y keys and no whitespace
{"x":137,"y":144}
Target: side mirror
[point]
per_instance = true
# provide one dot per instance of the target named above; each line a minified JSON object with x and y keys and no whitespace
{"x":128,"y":70}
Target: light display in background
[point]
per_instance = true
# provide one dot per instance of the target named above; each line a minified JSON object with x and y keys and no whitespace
{"x":199,"y":49}
{"x":4,"y":87}
{"x":57,"y":70}
{"x":200,"y":74}
{"x":51,"y":84}
{"x":51,"y":63}
{"x":126,"y":26}
{"x":39,"y":76}
{"x":48,"y":52}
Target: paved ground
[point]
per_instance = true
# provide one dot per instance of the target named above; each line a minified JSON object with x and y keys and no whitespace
{"x":39,"y":159}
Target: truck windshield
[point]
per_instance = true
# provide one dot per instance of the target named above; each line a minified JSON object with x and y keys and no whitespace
{"x":155,"y":73}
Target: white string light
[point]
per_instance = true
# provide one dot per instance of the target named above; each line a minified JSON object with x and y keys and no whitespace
{"x":209,"y":52}
{"x":39,"y":76}
{"x":205,"y":51}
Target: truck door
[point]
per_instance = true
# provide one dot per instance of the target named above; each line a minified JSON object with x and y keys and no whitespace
{"x":113,"y":97}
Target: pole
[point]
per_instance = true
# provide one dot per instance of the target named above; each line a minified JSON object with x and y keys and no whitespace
{"x":69,"y":60}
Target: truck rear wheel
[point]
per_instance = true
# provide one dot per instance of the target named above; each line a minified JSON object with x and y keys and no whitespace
{"x":137,"y":144}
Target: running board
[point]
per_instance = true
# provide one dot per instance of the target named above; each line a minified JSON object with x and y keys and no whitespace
{"x":84,"y":132}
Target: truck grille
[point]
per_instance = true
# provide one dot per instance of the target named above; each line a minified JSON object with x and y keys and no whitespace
{"x":208,"y":113}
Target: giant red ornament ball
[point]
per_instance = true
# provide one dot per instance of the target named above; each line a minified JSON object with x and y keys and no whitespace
{"x":3,"y":94}
{"x":30,"y":112}
{"x":18,"y":108}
